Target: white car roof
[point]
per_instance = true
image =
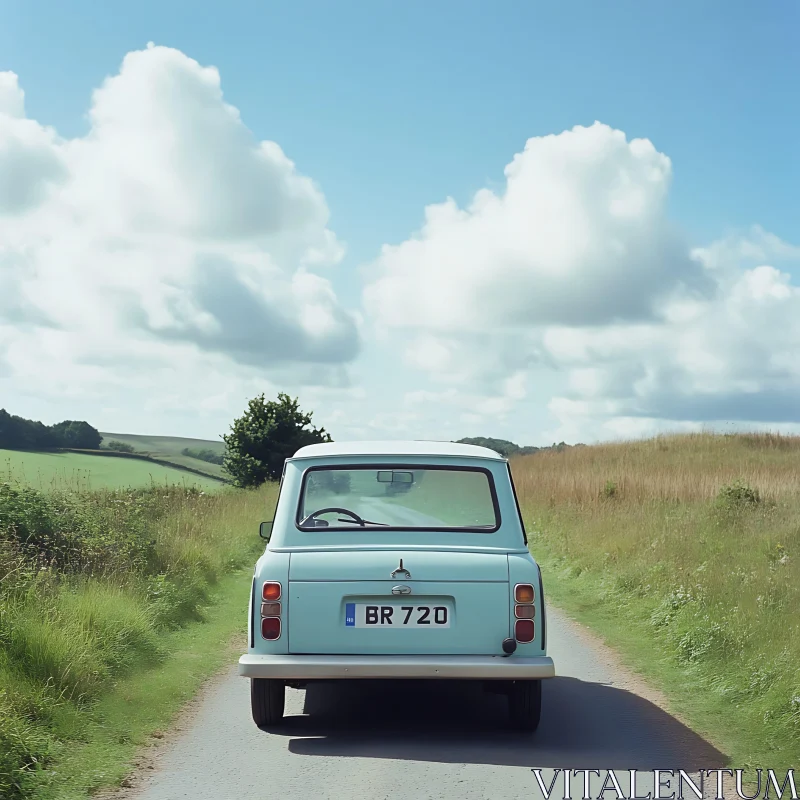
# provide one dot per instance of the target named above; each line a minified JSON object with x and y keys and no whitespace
{"x":399,"y":448}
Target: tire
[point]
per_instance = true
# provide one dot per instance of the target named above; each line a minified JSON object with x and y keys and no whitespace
{"x":267,"y":701}
{"x":525,"y":705}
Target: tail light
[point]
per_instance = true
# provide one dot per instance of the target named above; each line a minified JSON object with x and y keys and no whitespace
{"x":525,"y":612}
{"x":523,"y":630}
{"x":271,"y":590}
{"x":523,"y":593}
{"x":271,"y":627}
{"x":271,"y":610}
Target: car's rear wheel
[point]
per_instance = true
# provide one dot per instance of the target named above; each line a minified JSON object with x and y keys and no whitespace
{"x":267,"y":701}
{"x":525,"y":704}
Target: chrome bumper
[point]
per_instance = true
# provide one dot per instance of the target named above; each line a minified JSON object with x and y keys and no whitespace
{"x":316,"y":667}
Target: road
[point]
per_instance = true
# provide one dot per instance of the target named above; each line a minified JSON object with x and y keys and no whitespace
{"x":426,"y":740}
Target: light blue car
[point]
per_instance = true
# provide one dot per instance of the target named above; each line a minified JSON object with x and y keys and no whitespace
{"x":396,"y":560}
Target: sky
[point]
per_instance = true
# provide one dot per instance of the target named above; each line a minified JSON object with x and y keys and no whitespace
{"x":530,"y":220}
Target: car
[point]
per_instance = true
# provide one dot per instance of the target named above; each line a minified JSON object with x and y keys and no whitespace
{"x":396,"y":560}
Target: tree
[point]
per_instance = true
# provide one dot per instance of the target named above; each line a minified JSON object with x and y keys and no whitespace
{"x":77,"y":434}
{"x":502,"y":446}
{"x":18,"y":433}
{"x":263,"y":438}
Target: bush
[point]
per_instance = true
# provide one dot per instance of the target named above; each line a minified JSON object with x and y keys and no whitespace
{"x":609,"y":491}
{"x":120,"y":447}
{"x":210,"y":456}
{"x":738,"y":495}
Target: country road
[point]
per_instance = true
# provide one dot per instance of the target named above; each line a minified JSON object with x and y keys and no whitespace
{"x":424,"y":740}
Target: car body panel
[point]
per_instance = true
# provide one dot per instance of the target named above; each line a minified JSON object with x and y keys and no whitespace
{"x":379,"y":566}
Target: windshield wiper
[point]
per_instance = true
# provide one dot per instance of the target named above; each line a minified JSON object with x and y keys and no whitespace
{"x":362,"y":522}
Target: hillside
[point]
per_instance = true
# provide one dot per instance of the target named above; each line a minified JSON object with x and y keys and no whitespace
{"x":49,"y":471}
{"x":170,"y":448}
{"x":685,"y":552}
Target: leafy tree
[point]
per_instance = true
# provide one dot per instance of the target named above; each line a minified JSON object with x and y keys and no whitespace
{"x":266,"y":435}
{"x":18,"y":433}
{"x":81,"y":435}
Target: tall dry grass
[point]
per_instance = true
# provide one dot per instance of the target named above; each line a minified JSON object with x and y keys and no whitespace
{"x":686,"y":468}
{"x":695,"y":541}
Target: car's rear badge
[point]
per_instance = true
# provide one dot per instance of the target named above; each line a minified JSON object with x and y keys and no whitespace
{"x":401,"y":590}
{"x":401,"y":568}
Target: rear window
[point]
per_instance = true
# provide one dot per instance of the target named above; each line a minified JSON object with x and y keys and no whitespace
{"x":407,"y":498}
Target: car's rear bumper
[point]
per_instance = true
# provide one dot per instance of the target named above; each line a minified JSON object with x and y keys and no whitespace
{"x":321,"y":667}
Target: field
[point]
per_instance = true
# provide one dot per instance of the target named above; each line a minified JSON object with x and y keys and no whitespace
{"x":684,"y":552}
{"x":50,"y":471}
{"x":169,"y":448}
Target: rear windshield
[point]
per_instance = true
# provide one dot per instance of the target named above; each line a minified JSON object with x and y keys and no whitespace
{"x":408,"y":498}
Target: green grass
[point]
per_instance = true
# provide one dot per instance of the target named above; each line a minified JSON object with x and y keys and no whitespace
{"x":83,"y":471}
{"x":684,"y":553}
{"x":170,"y":448}
{"x":105,"y":597}
{"x":126,"y":717}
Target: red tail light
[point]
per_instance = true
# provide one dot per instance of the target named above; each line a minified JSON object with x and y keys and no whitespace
{"x":271,"y":610}
{"x":271,"y":627}
{"x":524,"y":630}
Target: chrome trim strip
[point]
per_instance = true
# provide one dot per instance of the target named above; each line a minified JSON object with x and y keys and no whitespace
{"x":324,"y":667}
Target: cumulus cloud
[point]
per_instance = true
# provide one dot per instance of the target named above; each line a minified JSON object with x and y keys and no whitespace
{"x":733,"y":358}
{"x":575,"y":270}
{"x":578,"y":236}
{"x":31,"y":161}
{"x":167,"y":229}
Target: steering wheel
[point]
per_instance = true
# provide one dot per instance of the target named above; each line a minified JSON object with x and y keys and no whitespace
{"x":333,"y":509}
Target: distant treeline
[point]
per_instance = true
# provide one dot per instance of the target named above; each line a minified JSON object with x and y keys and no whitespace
{"x":508,"y":449}
{"x":18,"y":433}
{"x":204,"y":455}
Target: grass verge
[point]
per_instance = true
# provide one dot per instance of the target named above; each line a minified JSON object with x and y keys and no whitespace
{"x":143,"y":704}
{"x":97,"y":588}
{"x":683,"y":552}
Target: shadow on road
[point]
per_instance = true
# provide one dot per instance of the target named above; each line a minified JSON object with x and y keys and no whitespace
{"x":584,"y":726}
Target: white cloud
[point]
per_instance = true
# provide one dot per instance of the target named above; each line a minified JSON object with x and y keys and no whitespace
{"x":576,"y":270}
{"x":578,"y":236}
{"x":733,"y":360}
{"x":168,"y":257}
{"x":31,"y":162}
{"x":167,"y":234}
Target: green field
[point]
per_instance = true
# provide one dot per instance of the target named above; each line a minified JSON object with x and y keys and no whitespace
{"x":169,"y":448}
{"x":51,"y":471}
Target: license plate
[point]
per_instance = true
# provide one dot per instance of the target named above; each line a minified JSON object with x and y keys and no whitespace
{"x":396,"y":615}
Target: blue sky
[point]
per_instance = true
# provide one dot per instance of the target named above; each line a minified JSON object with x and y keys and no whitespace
{"x":391,"y":107}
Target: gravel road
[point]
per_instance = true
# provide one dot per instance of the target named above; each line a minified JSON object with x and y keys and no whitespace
{"x":425,"y":740}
